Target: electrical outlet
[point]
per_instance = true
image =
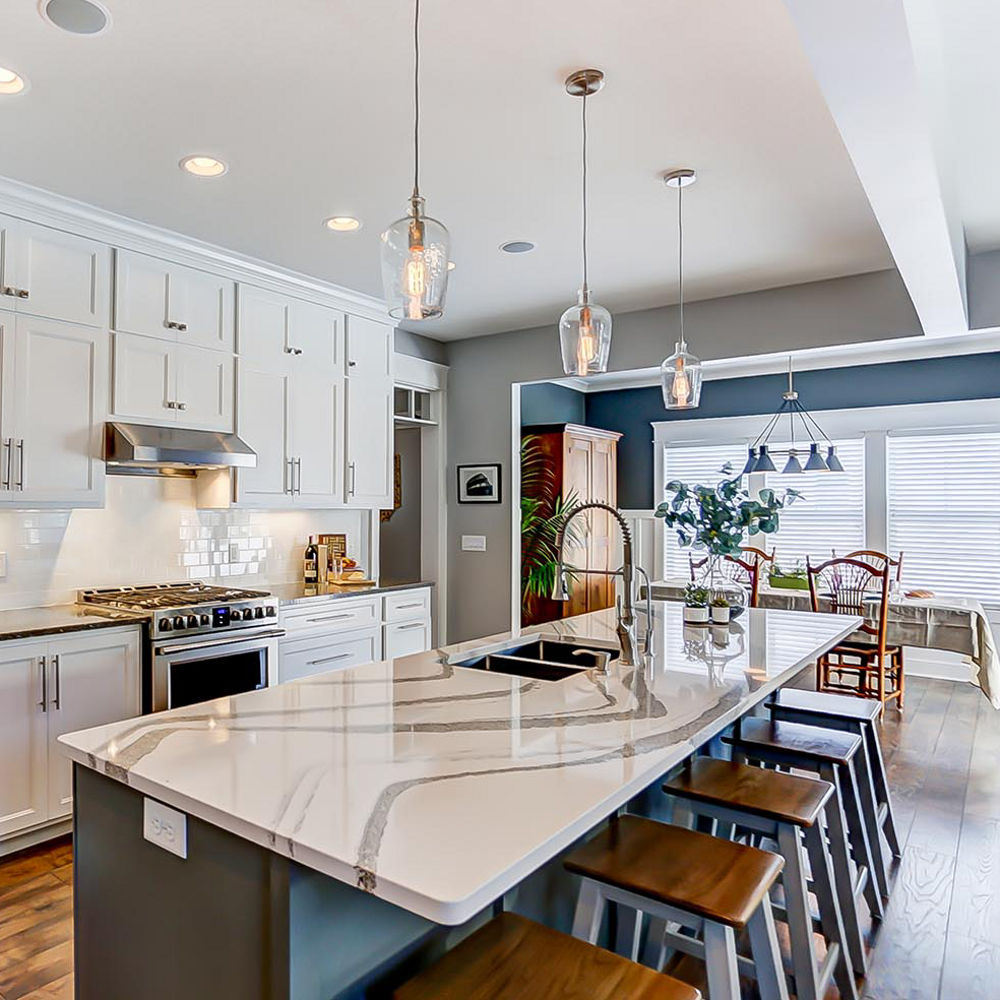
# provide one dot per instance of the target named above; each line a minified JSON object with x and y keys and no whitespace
{"x":164,"y":827}
{"x":473,"y":543}
{"x":234,"y":552}
{"x":3,"y":565}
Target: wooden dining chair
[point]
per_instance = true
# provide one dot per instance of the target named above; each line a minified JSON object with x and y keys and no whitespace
{"x":745,"y":572}
{"x":849,"y":586}
{"x":879,"y":559}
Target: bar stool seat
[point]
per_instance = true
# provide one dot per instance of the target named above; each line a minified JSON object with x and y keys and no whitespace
{"x":712,"y":887}
{"x":512,"y":958}
{"x":853,"y":715}
{"x":787,"y":809}
{"x":831,"y":754}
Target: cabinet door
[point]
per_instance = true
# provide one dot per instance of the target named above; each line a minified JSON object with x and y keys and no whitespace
{"x":368,"y":348}
{"x":369,"y":413}
{"x":23,"y":746}
{"x":7,"y":386}
{"x":405,"y":638}
{"x":93,"y":680}
{"x":577,"y":462}
{"x":317,"y":419}
{"x":64,"y":277}
{"x":201,"y":304}
{"x":60,"y":406}
{"x":603,"y":488}
{"x":8,"y":267}
{"x":262,"y":326}
{"x":204,"y":391}
{"x":318,"y":332}
{"x":141,"y":294}
{"x":321,"y":653}
{"x":262,"y":421}
{"x":144,"y":379}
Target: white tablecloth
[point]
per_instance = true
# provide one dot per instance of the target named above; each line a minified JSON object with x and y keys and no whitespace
{"x":958,"y":624}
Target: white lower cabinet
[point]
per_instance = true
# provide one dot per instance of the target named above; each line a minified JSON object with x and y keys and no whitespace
{"x":317,"y":654}
{"x":49,"y":687}
{"x":405,"y":638}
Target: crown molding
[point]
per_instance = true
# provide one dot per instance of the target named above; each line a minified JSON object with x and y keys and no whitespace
{"x":812,"y":359}
{"x":32,"y":204}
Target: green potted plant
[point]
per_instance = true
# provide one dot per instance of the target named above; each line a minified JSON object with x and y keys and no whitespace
{"x":717,"y":519}
{"x":720,"y":610}
{"x":696,"y":604}
{"x":788,"y":579}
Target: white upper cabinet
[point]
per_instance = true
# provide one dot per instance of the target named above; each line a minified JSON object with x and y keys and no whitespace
{"x":60,"y":403}
{"x":317,"y":435}
{"x":369,"y":413}
{"x":158,"y":299}
{"x":46,"y":272}
{"x":204,"y":388}
{"x":262,"y":422}
{"x":276,"y":328}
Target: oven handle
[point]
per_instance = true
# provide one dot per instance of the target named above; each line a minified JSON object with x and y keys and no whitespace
{"x":217,"y":643}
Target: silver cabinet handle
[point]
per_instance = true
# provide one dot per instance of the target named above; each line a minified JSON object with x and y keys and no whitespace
{"x":352,"y":364}
{"x":352,"y":469}
{"x":22,"y":293}
{"x":8,"y":443}
{"x":298,"y":478}
{"x":57,"y":677}
{"x":289,"y":475}
{"x":20,"y":463}
{"x":7,"y":290}
{"x":182,"y":327}
{"x":405,"y":607}
{"x":406,"y":628}
{"x":182,"y":406}
{"x":169,"y":324}
{"x":332,"y":618}
{"x":43,"y":670}
{"x":173,"y":404}
{"x":293,"y":350}
{"x":330,"y":659}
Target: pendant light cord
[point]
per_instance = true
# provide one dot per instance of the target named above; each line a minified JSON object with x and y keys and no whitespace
{"x":416,"y":99}
{"x":680,"y":261}
{"x":586,"y":286}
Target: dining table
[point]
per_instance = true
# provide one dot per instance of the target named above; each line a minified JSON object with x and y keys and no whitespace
{"x":946,"y":622}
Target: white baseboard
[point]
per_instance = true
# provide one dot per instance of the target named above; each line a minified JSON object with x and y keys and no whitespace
{"x":20,"y":841}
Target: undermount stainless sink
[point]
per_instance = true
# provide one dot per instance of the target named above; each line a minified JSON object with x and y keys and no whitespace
{"x":543,"y":659}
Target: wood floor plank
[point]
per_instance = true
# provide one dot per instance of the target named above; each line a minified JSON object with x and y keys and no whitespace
{"x":17,"y":890}
{"x":975,"y":910}
{"x":971,"y":969}
{"x":59,"y":989}
{"x":37,"y":970}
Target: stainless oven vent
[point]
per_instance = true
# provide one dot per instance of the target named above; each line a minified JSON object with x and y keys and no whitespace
{"x":148,"y":450}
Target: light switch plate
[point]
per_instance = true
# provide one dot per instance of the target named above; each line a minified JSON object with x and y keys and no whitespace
{"x":234,"y":552}
{"x":3,"y":565}
{"x":473,"y":543}
{"x":165,"y":827}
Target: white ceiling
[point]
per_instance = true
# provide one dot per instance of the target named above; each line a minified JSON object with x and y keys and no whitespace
{"x":309,"y":103}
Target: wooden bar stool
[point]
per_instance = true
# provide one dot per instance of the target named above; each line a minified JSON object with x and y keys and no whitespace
{"x":831,"y":755}
{"x":713,"y":887}
{"x":787,"y":809}
{"x":852,"y":715}
{"x":512,"y":958}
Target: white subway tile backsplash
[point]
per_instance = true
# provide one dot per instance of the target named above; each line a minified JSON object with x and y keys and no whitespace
{"x":151,"y":532}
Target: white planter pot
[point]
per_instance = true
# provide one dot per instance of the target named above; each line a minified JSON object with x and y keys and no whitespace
{"x":695,"y":616}
{"x":720,"y":616}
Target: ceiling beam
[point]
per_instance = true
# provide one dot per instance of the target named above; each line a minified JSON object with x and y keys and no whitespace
{"x":878,"y":65}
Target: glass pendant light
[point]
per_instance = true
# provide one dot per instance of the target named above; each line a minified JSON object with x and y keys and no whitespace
{"x":680,"y":374}
{"x":585,"y":328}
{"x":415,"y":249}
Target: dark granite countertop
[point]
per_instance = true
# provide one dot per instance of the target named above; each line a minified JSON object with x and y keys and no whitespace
{"x":299,"y":593}
{"x":22,"y":623}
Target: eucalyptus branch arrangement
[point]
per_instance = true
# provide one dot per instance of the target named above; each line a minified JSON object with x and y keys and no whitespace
{"x":717,"y":519}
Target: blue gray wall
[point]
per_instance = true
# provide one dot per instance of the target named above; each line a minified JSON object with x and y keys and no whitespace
{"x":545,"y":403}
{"x":631,"y":411}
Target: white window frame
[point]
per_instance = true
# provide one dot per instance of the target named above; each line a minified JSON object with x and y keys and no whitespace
{"x":875,"y":424}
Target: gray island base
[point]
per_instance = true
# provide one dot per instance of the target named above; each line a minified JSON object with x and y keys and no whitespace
{"x":343,"y":830}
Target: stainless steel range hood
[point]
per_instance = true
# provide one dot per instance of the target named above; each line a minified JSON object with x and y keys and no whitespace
{"x":145,"y":450}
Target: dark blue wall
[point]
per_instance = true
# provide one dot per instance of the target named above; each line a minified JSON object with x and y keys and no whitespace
{"x":631,"y":411}
{"x":545,"y":403}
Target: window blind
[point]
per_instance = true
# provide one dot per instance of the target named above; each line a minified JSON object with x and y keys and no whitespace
{"x":695,"y":465}
{"x":830,"y":515}
{"x":944,"y":512}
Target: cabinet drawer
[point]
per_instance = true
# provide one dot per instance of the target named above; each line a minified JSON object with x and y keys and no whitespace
{"x":321,"y":653}
{"x":337,"y":615}
{"x":406,"y":638}
{"x":408,"y":605}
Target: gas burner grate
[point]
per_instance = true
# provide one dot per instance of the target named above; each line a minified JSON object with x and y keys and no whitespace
{"x":155,"y":597}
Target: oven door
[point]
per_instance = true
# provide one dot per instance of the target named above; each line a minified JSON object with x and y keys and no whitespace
{"x":188,"y":671}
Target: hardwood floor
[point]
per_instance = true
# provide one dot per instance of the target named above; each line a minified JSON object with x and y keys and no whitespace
{"x":940,"y":939}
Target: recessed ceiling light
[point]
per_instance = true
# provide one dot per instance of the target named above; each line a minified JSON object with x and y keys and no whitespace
{"x":343,"y":223}
{"x":203,"y":166}
{"x":10,"y":82}
{"x":78,"y":17}
{"x":517,"y":246}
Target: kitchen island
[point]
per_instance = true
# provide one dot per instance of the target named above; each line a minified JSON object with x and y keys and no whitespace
{"x":336,"y":827}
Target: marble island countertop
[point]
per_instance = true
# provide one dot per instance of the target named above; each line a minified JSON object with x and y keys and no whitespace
{"x":439,"y":787}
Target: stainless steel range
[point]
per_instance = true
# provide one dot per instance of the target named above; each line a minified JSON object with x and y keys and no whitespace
{"x":204,"y":642}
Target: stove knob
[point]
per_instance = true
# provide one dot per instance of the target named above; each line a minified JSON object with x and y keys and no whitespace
{"x":179,"y":621}
{"x":270,"y":612}
{"x":165,"y":625}
{"x":258,"y":613}
{"x":235,"y":615}
{"x":205,"y":620}
{"x":192,"y":621}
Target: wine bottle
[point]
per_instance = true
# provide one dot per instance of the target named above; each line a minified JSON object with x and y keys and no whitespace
{"x":311,"y":562}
